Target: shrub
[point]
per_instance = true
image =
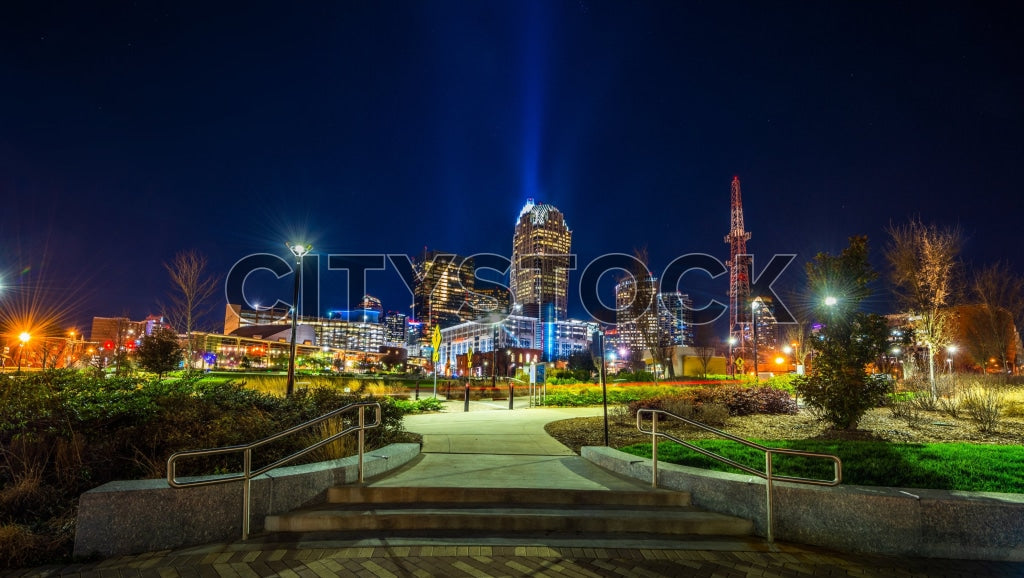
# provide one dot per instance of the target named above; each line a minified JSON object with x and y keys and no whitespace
{"x":844,"y":401}
{"x":748,"y":400}
{"x":984,"y":407}
{"x":634,"y":376}
{"x":904,"y":406}
{"x":737,"y":400}
{"x":783,"y":382}
{"x":950,"y":406}
{"x":574,"y":397}
{"x":713,"y":414}
{"x":62,"y":433}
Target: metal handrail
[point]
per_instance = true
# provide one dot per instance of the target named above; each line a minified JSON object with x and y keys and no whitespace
{"x":768,"y":453}
{"x":247,"y":473}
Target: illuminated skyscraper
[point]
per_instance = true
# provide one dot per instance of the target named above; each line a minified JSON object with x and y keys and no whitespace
{"x":540,"y":262}
{"x":371,"y":303}
{"x":672,"y":324}
{"x":441,"y":295}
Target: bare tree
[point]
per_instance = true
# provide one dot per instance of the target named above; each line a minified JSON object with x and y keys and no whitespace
{"x":992,"y":324}
{"x":704,"y":346}
{"x":795,"y":336}
{"x":988,"y":332}
{"x":924,"y":263}
{"x":191,"y":292}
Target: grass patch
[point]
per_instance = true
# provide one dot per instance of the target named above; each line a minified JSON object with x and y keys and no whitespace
{"x":954,"y":466}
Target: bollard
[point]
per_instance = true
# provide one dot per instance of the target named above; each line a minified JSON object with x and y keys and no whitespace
{"x":466,"y":408}
{"x":511,"y":394}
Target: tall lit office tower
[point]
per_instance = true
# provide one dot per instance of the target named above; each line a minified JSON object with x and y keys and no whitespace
{"x":442,"y":291}
{"x":540,"y":262}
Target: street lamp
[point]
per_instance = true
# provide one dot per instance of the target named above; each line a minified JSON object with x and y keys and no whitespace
{"x":732,"y":362}
{"x":300,"y":251}
{"x":753,"y":320}
{"x":24,"y":337}
{"x":949,"y":360}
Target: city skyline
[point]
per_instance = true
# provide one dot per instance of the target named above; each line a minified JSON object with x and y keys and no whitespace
{"x":131,"y":133}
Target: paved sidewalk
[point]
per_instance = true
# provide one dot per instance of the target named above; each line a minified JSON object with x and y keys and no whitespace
{"x":476,"y":560}
{"x":491,"y":446}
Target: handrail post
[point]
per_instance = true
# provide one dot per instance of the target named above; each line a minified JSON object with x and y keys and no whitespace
{"x":768,"y":484}
{"x":362,"y":424}
{"x":246,"y":492}
{"x":654,"y":449}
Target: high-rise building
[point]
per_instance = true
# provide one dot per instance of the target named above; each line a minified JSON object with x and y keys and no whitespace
{"x":632,"y":325}
{"x":672,"y":324}
{"x":371,"y":303}
{"x":396,"y":328}
{"x":767,"y":329}
{"x":442,"y":292}
{"x":675,"y":318}
{"x":539,"y":277}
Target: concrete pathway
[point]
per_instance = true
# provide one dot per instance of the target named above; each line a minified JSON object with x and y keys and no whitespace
{"x":488,"y":447}
{"x":492,"y":447}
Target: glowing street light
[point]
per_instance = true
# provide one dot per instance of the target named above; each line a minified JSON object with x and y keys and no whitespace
{"x":949,"y":360}
{"x":300,"y":251}
{"x":732,"y":362}
{"x":831,"y":301}
{"x":24,"y":338}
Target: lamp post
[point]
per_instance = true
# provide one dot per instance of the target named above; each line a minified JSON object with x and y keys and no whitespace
{"x":732,"y":362}
{"x":604,"y":387}
{"x":494,"y":355}
{"x":753,"y":320}
{"x":24,"y":338}
{"x":300,"y":251}
{"x":949,"y":360}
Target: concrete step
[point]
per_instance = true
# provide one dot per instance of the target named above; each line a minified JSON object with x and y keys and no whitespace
{"x":508,"y":496}
{"x":507,"y":512}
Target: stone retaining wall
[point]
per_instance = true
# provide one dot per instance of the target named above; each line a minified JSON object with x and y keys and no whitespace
{"x":129,"y":517}
{"x":896,"y":521}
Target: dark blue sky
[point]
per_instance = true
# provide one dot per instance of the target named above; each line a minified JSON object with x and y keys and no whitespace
{"x":130,"y":131}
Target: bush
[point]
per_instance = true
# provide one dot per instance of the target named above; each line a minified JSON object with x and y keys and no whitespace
{"x":574,"y":398}
{"x":737,"y":400}
{"x":408,"y":406}
{"x":904,"y":406}
{"x":984,"y":407}
{"x":713,"y":414}
{"x":634,"y":376}
{"x":783,"y":382}
{"x":63,"y":433}
{"x":844,"y":401}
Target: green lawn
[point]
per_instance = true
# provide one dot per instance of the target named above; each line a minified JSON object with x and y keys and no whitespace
{"x":954,"y":466}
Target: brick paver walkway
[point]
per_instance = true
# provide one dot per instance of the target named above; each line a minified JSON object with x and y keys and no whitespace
{"x":286,"y":560}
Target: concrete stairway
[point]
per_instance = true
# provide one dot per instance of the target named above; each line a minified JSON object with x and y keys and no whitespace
{"x":422,"y":511}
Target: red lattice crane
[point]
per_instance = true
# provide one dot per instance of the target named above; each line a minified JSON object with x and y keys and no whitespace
{"x":739,"y":277}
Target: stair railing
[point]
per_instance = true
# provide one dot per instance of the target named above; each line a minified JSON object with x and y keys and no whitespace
{"x":767,"y":475}
{"x":248,"y":473}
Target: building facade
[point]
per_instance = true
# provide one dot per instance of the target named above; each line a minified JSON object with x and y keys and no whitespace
{"x":396,"y":329}
{"x":672,"y":325}
{"x":539,"y":277}
{"x":444,"y":284}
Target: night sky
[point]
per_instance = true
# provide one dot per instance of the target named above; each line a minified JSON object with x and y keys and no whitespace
{"x":131,"y":131}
